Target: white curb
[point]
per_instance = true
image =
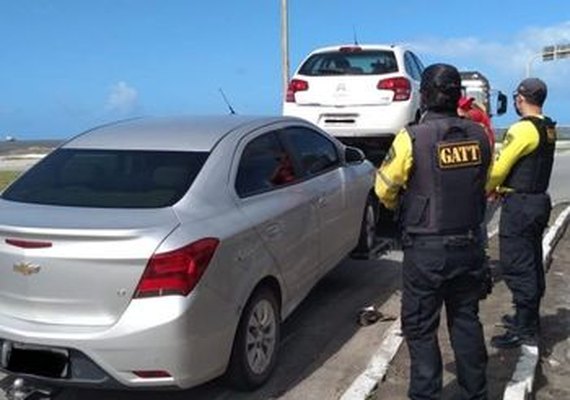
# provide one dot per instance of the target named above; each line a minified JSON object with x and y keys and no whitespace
{"x":365,"y":383}
{"x":521,"y":383}
{"x":553,"y":236}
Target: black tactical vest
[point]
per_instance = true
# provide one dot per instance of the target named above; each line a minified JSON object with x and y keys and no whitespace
{"x":445,"y":193}
{"x":531,"y":174}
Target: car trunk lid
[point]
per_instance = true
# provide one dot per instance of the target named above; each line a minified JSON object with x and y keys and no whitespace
{"x":75,"y":266}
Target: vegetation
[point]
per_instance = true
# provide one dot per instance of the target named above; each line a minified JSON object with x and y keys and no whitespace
{"x":6,"y":177}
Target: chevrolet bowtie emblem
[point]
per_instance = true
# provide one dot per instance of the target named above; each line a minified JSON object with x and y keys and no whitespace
{"x":26,"y":268}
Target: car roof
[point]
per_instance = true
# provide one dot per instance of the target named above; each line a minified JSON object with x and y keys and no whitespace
{"x":185,"y":133}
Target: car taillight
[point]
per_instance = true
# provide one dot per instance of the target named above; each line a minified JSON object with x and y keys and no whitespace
{"x":177,"y":271}
{"x":296,"y":85}
{"x":401,"y":87}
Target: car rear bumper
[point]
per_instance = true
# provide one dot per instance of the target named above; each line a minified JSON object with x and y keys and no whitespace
{"x":361,"y":121}
{"x":153,"y":335}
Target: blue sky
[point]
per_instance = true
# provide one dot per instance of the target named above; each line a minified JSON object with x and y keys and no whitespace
{"x":68,"y":65}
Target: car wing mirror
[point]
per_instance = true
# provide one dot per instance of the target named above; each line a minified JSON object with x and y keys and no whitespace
{"x":501,"y":103}
{"x":353,"y":155}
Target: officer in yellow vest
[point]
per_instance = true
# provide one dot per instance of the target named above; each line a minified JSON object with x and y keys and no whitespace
{"x":521,"y":172}
{"x":435,"y":175}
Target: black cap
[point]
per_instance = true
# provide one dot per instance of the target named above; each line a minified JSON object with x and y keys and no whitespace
{"x":533,"y":90}
{"x":440,"y":87}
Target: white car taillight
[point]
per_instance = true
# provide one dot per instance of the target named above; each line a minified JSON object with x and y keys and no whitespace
{"x":296,"y":85}
{"x":401,"y":87}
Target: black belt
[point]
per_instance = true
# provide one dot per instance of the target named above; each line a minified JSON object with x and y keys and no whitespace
{"x":451,"y":240}
{"x":515,"y":191}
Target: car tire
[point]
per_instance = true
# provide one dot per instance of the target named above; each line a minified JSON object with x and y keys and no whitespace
{"x":255,"y":347}
{"x":367,"y":238}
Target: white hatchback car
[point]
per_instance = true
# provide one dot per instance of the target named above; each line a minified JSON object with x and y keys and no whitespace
{"x":164,"y":252}
{"x":357,"y":91}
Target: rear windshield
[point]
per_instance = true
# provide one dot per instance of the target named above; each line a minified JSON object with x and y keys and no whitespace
{"x":108,"y":178}
{"x":363,"y":62}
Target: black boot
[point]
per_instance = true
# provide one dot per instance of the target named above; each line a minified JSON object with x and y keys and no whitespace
{"x":511,"y":339}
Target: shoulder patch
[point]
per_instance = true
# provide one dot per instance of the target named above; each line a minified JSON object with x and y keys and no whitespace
{"x":551,"y":134}
{"x":458,"y":154}
{"x":508,"y":139}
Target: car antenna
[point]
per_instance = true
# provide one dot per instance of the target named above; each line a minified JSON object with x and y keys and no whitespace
{"x":232,"y":111}
{"x":354,"y":35}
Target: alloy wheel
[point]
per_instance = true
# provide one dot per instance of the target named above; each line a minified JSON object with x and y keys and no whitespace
{"x":261,"y":336}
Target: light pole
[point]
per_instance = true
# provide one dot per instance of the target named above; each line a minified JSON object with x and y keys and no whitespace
{"x":549,"y":53}
{"x":284,"y":47}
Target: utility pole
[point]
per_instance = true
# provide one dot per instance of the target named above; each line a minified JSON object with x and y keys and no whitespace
{"x":284,"y":46}
{"x":549,"y":53}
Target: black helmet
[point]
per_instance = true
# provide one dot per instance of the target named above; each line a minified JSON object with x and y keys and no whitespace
{"x":440,"y":88}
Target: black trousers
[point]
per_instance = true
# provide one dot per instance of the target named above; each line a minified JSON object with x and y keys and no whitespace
{"x":435,"y":274}
{"x":523,"y":220}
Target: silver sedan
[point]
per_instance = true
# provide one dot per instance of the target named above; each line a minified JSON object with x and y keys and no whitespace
{"x":166,"y":252}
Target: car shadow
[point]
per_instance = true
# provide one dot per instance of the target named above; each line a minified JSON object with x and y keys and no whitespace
{"x":319,"y":327}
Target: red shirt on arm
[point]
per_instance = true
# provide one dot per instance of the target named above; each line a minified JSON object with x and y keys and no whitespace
{"x":468,"y":108}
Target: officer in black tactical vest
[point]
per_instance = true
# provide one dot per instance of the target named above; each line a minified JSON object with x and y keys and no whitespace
{"x":435,"y":174}
{"x":521,"y":173}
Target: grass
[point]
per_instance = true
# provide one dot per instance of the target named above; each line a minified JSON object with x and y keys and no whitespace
{"x":6,"y":177}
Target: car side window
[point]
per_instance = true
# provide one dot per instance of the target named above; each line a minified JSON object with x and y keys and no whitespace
{"x":314,"y":152}
{"x":419,"y":64}
{"x":411,"y":66}
{"x":264,"y":165}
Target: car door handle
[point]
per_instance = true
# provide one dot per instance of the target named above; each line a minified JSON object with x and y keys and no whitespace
{"x":273,"y":231}
{"x":321,"y":202}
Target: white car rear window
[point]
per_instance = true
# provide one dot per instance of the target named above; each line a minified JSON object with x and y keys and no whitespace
{"x":362,"y":62}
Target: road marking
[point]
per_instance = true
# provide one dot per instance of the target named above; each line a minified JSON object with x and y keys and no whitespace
{"x":365,"y":383}
{"x":522,"y":380}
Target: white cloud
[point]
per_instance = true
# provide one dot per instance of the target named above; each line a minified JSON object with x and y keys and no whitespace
{"x":506,"y":62}
{"x":122,"y":99}
{"x":510,"y":57}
